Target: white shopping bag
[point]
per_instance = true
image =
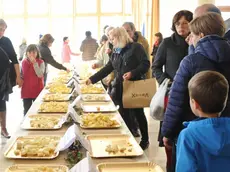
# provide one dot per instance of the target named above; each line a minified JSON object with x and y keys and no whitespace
{"x":157,"y":102}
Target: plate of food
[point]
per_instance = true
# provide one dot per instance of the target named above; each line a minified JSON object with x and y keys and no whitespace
{"x":62,"y":78}
{"x":37,"y":168}
{"x":56,"y":97}
{"x":116,"y":145}
{"x":92,"y":89}
{"x":59,"y":88}
{"x":98,"y":107}
{"x":42,"y":122}
{"x":95,"y":97}
{"x":51,"y":107}
{"x":129,"y":166}
{"x":99,"y":120}
{"x":33,"y":147}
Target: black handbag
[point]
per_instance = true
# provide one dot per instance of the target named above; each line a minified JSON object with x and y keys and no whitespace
{"x":12,"y":70}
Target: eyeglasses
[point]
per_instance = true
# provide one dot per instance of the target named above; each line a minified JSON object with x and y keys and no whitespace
{"x":183,"y":23}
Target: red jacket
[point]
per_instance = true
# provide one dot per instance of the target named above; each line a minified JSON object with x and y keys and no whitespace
{"x":32,"y":85}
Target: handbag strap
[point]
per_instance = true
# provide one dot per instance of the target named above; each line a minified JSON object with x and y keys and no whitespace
{"x":5,"y":54}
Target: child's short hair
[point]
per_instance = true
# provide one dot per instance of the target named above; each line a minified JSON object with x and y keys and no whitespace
{"x":208,"y":24}
{"x":210,"y":90}
{"x":32,"y":48}
{"x":65,"y":38}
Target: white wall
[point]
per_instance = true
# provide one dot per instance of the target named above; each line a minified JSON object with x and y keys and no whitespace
{"x":168,"y":8}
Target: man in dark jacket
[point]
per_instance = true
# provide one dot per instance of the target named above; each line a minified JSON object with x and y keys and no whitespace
{"x":88,"y":47}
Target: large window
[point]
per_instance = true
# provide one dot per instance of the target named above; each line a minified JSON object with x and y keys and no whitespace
{"x":15,"y":29}
{"x":62,"y":7}
{"x":30,"y":18}
{"x":226,"y":15}
{"x":90,"y":24}
{"x":86,"y":6}
{"x":168,"y":9}
{"x":222,"y":2}
{"x":16,"y":9}
{"x":36,"y":26}
{"x":224,"y":6}
{"x":109,"y":6}
{"x":37,"y":7}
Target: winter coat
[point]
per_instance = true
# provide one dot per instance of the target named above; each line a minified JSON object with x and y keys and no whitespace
{"x":143,"y":41}
{"x":204,"y":146}
{"x":22,"y":50}
{"x":132,"y":58}
{"x":211,"y":53}
{"x":48,"y":58}
{"x":5,"y":60}
{"x":102,"y":56}
{"x":32,"y":84}
{"x":191,"y":49}
{"x":169,"y":55}
{"x":89,"y":48}
{"x":227,"y":35}
{"x":102,"y":60}
{"x":66,"y":52}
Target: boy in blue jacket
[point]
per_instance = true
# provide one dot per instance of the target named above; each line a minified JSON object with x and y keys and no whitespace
{"x":204,"y":145}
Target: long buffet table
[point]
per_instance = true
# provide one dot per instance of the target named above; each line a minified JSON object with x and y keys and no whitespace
{"x":93,"y":162}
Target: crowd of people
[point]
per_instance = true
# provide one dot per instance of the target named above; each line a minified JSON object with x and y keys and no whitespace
{"x":195,"y":58}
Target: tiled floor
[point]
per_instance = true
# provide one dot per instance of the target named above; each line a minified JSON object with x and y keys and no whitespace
{"x":15,"y":116}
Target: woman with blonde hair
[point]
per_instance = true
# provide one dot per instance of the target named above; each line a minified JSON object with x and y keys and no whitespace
{"x":129,"y":62}
{"x":45,"y":42}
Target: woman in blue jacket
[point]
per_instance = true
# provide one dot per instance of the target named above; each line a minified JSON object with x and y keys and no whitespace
{"x":211,"y":53}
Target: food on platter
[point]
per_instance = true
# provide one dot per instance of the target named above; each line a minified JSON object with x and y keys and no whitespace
{"x":63,"y":89}
{"x":114,"y":148}
{"x":99,"y":120}
{"x":61,"y":79}
{"x":54,"y":107}
{"x":92,"y":89}
{"x":44,"y":121}
{"x":56,"y":97}
{"x":95,"y":97}
{"x":43,"y":146}
{"x":46,"y":169}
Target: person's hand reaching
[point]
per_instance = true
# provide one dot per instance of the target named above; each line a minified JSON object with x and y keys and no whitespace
{"x":88,"y":82}
{"x":94,"y":66}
